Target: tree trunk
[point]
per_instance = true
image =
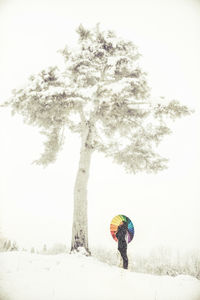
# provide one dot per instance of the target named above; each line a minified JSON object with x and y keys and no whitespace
{"x":80,"y":219}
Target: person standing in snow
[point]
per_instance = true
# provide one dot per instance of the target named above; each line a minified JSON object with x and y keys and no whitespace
{"x":122,"y":236}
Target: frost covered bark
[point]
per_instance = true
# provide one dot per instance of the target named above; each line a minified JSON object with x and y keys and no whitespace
{"x":80,"y":219}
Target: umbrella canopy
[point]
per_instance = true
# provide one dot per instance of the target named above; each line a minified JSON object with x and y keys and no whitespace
{"x":118,"y":220}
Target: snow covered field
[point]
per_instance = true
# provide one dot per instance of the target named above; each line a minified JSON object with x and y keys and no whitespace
{"x":25,"y":276}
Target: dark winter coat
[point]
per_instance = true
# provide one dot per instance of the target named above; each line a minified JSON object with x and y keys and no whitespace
{"x":121,"y":236}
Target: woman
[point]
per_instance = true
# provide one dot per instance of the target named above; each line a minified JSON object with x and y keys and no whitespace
{"x":122,"y":236}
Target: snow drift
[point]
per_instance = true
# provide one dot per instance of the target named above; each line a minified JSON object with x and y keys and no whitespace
{"x":25,"y":276}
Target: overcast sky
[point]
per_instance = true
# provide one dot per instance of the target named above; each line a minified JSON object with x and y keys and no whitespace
{"x":37,"y":203}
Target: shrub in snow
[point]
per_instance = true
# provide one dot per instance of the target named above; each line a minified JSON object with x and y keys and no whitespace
{"x":164,"y":263}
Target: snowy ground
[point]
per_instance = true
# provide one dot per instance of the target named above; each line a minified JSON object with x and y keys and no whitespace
{"x":25,"y":276}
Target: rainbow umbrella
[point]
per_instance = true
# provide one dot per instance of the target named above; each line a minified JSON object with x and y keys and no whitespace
{"x":116,"y":221}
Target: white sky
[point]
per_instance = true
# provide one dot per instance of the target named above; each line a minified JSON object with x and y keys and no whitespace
{"x":37,"y":203}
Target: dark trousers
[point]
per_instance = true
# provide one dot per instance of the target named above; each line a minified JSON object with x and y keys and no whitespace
{"x":124,"y":257}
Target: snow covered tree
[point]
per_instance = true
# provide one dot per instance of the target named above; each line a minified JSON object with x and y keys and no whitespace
{"x":8,"y":245}
{"x":14,"y":246}
{"x":32,"y":250}
{"x":44,"y":248}
{"x":102,"y":94}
